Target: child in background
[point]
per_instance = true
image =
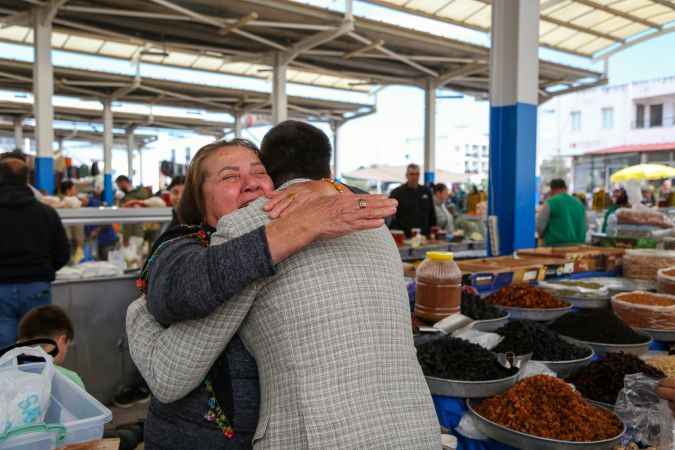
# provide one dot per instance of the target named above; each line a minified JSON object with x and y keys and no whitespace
{"x":51,"y":322}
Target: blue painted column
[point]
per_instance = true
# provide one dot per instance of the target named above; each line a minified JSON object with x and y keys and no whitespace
{"x":514,"y":75}
{"x":43,"y":91}
{"x":429,"y":132}
{"x":107,"y":152}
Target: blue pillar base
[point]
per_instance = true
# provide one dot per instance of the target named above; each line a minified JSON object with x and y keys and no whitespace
{"x":429,"y":178}
{"x":44,"y":174}
{"x":108,"y":189}
{"x":513,"y":159}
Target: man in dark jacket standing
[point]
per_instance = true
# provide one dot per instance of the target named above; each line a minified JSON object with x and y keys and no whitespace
{"x":415,"y":204}
{"x":34,"y":246}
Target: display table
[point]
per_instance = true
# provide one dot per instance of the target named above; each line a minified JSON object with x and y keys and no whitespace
{"x":98,"y":308}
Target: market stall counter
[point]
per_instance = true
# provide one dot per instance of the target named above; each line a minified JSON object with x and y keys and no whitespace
{"x":99,"y":353}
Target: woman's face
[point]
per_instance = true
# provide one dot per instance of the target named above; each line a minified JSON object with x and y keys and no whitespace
{"x":443,"y":195}
{"x":235,"y":177}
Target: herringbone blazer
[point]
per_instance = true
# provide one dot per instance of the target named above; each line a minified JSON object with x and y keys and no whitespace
{"x":332,"y":338}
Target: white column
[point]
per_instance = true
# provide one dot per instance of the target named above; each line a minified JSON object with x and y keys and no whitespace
{"x":43,"y":91}
{"x":238,"y":125}
{"x":107,"y":151}
{"x":514,"y":96}
{"x":131,"y":143}
{"x":335,"y":127}
{"x":18,"y":133}
{"x":140,"y":166}
{"x":279,"y":101}
{"x":429,"y":132}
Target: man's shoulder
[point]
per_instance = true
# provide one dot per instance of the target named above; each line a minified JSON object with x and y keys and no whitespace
{"x":244,"y":220}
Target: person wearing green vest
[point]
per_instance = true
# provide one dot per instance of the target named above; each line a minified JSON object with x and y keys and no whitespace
{"x":562,"y":219}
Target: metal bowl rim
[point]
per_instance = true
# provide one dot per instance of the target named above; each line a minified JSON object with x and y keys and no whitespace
{"x":519,"y":309}
{"x":548,"y":440}
{"x":489,"y":321}
{"x":500,"y":380}
{"x":630,"y":346}
{"x":571,"y":361}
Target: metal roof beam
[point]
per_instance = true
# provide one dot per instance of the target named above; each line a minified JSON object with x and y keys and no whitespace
{"x":219,"y":23}
{"x":316,"y":40}
{"x":666,"y":3}
{"x":585,"y":30}
{"x":362,"y":50}
{"x":394,"y":55}
{"x":18,"y":18}
{"x":448,"y":76}
{"x":616,"y":12}
{"x":238,"y":24}
{"x":611,"y":52}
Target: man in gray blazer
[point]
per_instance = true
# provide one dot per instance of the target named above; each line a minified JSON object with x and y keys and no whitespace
{"x":330,"y":331}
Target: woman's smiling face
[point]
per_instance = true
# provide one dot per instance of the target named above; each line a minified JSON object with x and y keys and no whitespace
{"x":235,"y":177}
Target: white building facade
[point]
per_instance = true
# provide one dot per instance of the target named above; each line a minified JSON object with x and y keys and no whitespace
{"x":605,"y":129}
{"x":465,"y":151}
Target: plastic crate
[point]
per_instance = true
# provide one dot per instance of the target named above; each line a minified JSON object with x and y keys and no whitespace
{"x":82,"y":416}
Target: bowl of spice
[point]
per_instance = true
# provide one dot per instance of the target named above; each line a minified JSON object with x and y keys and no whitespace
{"x":526,"y":302}
{"x":486,"y":317}
{"x":601,"y":330}
{"x":652,"y":314}
{"x":457,"y":368}
{"x":602,"y":380}
{"x":545,"y":413}
{"x":547,"y":347}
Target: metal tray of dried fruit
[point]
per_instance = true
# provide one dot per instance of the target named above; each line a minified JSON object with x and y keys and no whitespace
{"x":588,"y":302}
{"x":602,"y":349}
{"x":526,"y":441}
{"x":470,"y":389}
{"x":565,"y":368}
{"x":536,"y":314}
{"x":490,"y":325}
{"x":658,"y":335}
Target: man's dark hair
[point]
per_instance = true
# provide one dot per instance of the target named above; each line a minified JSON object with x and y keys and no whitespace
{"x":66,"y":185}
{"x":13,"y":171}
{"x":296,"y":149}
{"x":178,"y":180}
{"x":413,"y":166}
{"x":122,"y":178}
{"x":16,"y":154}
{"x":558,"y":184}
{"x":49,"y":321}
{"x":439,"y":187}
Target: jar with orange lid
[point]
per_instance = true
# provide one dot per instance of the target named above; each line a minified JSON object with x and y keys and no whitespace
{"x":439,"y":287}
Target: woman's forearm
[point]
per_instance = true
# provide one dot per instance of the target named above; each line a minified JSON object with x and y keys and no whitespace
{"x":187,"y":281}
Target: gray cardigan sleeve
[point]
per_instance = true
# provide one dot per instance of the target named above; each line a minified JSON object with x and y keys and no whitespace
{"x":189,"y":281}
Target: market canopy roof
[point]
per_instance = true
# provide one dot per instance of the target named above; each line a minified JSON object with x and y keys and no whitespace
{"x":17,"y":75}
{"x":122,"y":119}
{"x":242,"y":37}
{"x":78,"y":133}
{"x":396,"y":174}
{"x":636,"y":148}
{"x":592,"y":28}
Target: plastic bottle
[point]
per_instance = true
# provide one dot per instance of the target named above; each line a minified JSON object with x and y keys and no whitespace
{"x":439,"y":287}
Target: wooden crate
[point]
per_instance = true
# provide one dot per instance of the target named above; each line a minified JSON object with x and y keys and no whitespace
{"x":586,"y":258}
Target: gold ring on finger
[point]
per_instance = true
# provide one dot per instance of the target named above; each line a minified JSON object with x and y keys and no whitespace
{"x":363,"y":204}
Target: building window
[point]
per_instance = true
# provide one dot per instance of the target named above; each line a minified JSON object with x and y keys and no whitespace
{"x":607,"y":118}
{"x":656,"y":115}
{"x":575,"y":117}
{"x":639,"y":116}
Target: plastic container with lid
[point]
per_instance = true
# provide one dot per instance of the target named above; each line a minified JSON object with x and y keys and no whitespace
{"x":439,"y":287}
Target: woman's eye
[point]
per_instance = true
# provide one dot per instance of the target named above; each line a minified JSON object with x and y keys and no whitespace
{"x":261,"y":173}
{"x":230,"y":177}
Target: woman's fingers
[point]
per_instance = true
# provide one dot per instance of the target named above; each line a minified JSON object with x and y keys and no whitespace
{"x":275,"y":198}
{"x":280,"y":206}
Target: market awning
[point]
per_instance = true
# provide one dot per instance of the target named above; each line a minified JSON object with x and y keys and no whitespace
{"x":396,"y":174}
{"x":636,"y":148}
{"x":322,"y":47}
{"x":591,"y":28}
{"x":90,"y":84}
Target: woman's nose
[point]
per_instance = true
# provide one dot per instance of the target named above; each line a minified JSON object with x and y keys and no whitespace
{"x":251,"y":184}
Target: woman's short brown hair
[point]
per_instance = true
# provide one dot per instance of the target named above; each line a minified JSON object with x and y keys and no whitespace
{"x":191,"y":208}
